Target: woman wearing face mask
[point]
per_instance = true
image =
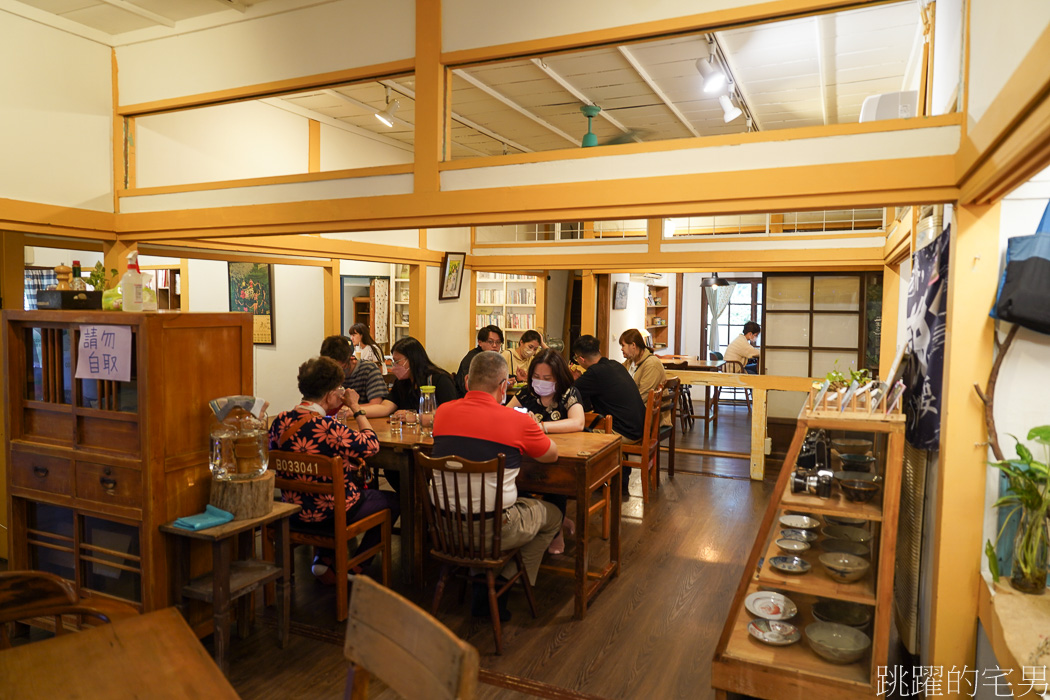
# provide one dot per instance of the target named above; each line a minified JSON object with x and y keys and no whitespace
{"x":519,"y":357}
{"x":413,"y":369}
{"x":554,"y":402}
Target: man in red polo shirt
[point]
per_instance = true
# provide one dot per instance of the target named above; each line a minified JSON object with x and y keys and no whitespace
{"x":479,"y":427}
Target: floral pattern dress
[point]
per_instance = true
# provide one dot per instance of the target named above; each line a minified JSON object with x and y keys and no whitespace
{"x":323,"y":435}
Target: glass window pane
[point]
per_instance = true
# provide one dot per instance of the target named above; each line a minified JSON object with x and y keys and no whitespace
{"x":787,"y":329}
{"x":787,"y":293}
{"x":836,"y":293}
{"x":787,"y":363}
{"x":741,"y":294}
{"x":785,"y":404}
{"x":836,"y":330}
{"x":723,"y":336}
{"x":825,"y":361}
{"x":739,"y":314}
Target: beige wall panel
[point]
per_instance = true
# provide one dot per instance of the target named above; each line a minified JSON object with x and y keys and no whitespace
{"x":270,"y":194}
{"x":313,"y":40}
{"x":55,"y":117}
{"x":404,"y":238}
{"x":342,"y":150}
{"x":824,"y":150}
{"x":456,"y":240}
{"x":449,"y":322}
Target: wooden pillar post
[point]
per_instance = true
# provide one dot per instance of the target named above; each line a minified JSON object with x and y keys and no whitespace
{"x":431,"y":98}
{"x":588,"y":294}
{"x":417,"y":304}
{"x":959,"y":497}
{"x":12,"y":288}
{"x":115,"y":257}
{"x":891,"y":290}
{"x":332,"y":295}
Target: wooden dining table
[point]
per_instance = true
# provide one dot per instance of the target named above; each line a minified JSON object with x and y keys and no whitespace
{"x":694,"y":364}
{"x":585,"y":462}
{"x":154,"y":656}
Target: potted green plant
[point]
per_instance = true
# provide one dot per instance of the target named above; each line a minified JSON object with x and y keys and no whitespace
{"x":1028,"y":498}
{"x":97,"y":277}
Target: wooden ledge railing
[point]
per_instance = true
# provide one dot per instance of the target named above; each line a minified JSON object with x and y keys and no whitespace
{"x":760,"y":385}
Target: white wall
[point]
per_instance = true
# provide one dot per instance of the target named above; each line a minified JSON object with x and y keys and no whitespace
{"x":298,"y":323}
{"x":342,"y":149}
{"x":319,"y":39}
{"x":50,"y":257}
{"x":225,"y":142}
{"x":455,"y":240}
{"x":361,"y":268}
{"x":557,"y":291}
{"x":407,"y":238}
{"x":634,"y":315}
{"x":55,"y":117}
{"x":947,"y":55}
{"x":1001,"y":35}
{"x":449,"y":323}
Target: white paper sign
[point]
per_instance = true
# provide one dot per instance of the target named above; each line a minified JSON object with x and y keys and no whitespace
{"x":104,"y":353}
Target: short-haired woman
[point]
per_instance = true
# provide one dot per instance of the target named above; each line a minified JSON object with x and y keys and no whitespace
{"x":367,"y":349}
{"x":311,"y":428}
{"x":550,"y":397}
{"x":519,"y":357}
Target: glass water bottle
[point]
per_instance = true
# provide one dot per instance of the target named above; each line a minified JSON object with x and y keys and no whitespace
{"x":427,"y":406}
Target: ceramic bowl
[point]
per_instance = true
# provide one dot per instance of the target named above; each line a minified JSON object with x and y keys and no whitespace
{"x":844,"y":568}
{"x":857,"y":463}
{"x":791,"y":546}
{"x":849,"y":522}
{"x":851,"y":446}
{"x":790,"y":565}
{"x":770,"y":605}
{"x":856,"y":476}
{"x":859,"y":491}
{"x":846,"y":547}
{"x":800,"y":535}
{"x":774,"y":632}
{"x":799,"y":522}
{"x":837,"y":643}
{"x":843,"y":532}
{"x":842,"y":612}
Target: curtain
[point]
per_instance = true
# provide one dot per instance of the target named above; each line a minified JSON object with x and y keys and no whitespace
{"x":35,"y":280}
{"x":717,"y":301}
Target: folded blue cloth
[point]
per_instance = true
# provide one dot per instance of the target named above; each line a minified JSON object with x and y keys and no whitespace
{"x":211,"y":517}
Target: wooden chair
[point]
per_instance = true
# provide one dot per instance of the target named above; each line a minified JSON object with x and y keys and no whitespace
{"x":598,"y":422}
{"x":669,"y":404}
{"x":28,"y":594}
{"x":392,"y":639}
{"x":287,"y":465}
{"x":459,"y":539}
{"x":648,"y":448}
{"x":684,"y":410}
{"x":730,"y":367}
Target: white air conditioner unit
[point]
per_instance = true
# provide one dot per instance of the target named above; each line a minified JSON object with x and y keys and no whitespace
{"x":646,"y":278}
{"x":890,"y":105}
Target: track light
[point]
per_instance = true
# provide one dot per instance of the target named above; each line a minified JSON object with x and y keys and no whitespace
{"x":713,"y":77}
{"x":729,"y":110}
{"x":714,"y":281}
{"x":387,"y":115}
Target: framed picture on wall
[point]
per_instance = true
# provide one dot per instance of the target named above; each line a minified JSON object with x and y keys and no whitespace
{"x":251,"y":290}
{"x":620,"y":295}
{"x":451,"y":275}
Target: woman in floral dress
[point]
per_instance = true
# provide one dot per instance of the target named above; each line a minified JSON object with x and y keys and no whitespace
{"x":311,"y":428}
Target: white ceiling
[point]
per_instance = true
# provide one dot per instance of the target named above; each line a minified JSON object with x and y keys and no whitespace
{"x":799,"y":72}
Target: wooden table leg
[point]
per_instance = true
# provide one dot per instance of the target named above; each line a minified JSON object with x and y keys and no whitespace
{"x":616,"y":494}
{"x":707,"y":410}
{"x":221,"y":600}
{"x":182,"y":574}
{"x":583,"y":500}
{"x":245,"y":550}
{"x":411,"y":564}
{"x":283,"y":561}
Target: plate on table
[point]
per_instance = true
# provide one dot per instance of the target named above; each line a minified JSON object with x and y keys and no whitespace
{"x":790,"y":565}
{"x":800,"y":535}
{"x":774,"y":632}
{"x":770,"y":606}
{"x":799,"y":522}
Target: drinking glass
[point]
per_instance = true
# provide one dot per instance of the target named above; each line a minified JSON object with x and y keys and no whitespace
{"x":411,"y":420}
{"x":396,"y":423}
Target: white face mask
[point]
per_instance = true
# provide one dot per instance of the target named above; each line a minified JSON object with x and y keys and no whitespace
{"x":543,"y":388}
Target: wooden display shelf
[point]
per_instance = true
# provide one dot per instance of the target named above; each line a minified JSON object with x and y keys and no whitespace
{"x":835,"y":505}
{"x":798,"y":657}
{"x":815,"y":581}
{"x":656,"y":306}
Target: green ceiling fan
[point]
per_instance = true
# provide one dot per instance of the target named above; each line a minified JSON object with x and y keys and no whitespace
{"x":590,"y":111}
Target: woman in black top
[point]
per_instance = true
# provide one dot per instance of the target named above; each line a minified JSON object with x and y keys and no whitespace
{"x":551,"y":399}
{"x":413,"y":369}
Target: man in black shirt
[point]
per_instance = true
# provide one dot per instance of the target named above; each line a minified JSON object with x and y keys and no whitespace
{"x":489,"y":338}
{"x":607,"y":388}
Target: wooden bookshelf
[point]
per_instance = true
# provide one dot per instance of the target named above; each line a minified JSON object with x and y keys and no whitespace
{"x":656,"y":314}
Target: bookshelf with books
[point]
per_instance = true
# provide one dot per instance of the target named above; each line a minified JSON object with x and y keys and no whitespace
{"x":399,"y":303}
{"x":512,"y":302}
{"x":656,"y":314}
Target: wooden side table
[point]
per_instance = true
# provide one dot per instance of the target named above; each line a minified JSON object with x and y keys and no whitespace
{"x":234,"y":578}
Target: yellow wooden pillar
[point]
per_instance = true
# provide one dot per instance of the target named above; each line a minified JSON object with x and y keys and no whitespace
{"x":12,"y":283}
{"x":588,"y":311}
{"x":654,"y":230}
{"x":332,"y":321}
{"x":959,"y":497}
{"x":417,"y":304}
{"x":891,"y":287}
{"x":431,"y":101}
{"x":115,"y":257}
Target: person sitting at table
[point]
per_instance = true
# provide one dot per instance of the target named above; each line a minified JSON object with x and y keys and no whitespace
{"x":367,"y":349}
{"x":743,"y":349}
{"x":363,"y":377}
{"x":520,"y":357}
{"x":607,"y":388}
{"x":645,"y":367}
{"x":551,"y":399}
{"x":489,"y":338}
{"x":311,"y":428}
{"x":478,"y":427}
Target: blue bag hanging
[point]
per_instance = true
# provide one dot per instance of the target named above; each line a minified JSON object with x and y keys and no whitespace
{"x":1024,"y":289}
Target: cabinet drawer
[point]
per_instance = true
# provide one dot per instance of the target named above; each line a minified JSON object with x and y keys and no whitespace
{"x":41,"y":472}
{"x":118,"y":486}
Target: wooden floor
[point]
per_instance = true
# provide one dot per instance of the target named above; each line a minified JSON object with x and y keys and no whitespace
{"x":650,"y":633}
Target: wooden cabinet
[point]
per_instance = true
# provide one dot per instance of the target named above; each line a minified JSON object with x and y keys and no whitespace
{"x":747,"y":666}
{"x":657,"y":304}
{"x":399,"y":303}
{"x":94,"y":467}
{"x":512,"y":302}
